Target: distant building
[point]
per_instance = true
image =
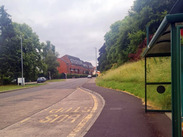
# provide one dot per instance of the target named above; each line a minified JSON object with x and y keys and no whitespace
{"x":73,"y":65}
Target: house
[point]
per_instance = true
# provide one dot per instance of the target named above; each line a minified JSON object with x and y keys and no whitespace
{"x":73,"y":65}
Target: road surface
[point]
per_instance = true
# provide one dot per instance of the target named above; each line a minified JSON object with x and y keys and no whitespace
{"x":61,"y":109}
{"x":77,"y":107}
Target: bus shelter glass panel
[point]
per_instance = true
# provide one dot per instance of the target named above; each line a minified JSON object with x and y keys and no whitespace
{"x":158,"y":84}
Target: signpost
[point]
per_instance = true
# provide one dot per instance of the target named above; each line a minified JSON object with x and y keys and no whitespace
{"x":21,"y":81}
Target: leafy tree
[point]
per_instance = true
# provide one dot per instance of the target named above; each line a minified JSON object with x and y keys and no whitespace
{"x":52,"y":64}
{"x":103,"y":62}
{"x":126,"y":35}
{"x":50,"y":60}
{"x":136,"y":37}
{"x":38,"y":58}
{"x":48,"y":47}
{"x":7,"y":60}
{"x":31,"y":51}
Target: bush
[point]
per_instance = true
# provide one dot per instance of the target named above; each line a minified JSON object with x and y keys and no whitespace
{"x":76,"y":75}
{"x":6,"y":81}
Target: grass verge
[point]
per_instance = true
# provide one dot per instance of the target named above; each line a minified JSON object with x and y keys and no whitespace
{"x":14,"y":87}
{"x":5,"y":88}
{"x":130,"y":78}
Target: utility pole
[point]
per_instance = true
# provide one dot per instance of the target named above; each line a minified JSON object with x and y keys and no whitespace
{"x":22,"y":61}
{"x":96,"y":59}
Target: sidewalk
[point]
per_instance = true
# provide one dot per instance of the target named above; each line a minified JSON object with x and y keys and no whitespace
{"x":124,"y":116}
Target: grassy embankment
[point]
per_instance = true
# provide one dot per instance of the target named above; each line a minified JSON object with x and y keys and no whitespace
{"x":130,"y":77}
{"x":14,"y":87}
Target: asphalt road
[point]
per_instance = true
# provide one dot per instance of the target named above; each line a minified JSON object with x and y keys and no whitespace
{"x":57,"y":109}
{"x":77,"y":107}
{"x":17,"y":105}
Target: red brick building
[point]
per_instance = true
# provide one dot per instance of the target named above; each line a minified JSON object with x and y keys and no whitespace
{"x":73,"y":65}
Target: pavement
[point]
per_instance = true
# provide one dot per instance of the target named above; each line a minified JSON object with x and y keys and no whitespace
{"x":124,"y":116}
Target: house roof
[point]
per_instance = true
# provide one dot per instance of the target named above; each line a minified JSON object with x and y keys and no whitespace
{"x":72,"y":57}
{"x":77,"y":61}
{"x":89,"y":65}
{"x":64,"y":60}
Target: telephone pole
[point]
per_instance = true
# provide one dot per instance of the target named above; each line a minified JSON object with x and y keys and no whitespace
{"x":96,"y":59}
{"x":22,"y":60}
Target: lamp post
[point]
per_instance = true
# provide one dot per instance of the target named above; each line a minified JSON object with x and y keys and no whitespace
{"x":21,"y":60}
{"x":96,"y":59}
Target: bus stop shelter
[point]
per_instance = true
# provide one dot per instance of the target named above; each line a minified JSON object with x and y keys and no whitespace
{"x":167,"y":42}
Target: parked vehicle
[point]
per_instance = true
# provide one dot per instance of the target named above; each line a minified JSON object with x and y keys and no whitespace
{"x":41,"y":79}
{"x":89,"y":76}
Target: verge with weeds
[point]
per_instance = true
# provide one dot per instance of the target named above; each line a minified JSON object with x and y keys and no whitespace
{"x":130,"y":78}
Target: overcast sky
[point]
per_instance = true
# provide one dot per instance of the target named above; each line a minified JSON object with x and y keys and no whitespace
{"x":75,"y":27}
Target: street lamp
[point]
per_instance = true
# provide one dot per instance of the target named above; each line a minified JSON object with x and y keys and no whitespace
{"x":21,"y":60}
{"x":96,"y":59}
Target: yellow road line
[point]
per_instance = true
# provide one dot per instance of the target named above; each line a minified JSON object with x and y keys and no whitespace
{"x":24,"y":120}
{"x":87,"y":118}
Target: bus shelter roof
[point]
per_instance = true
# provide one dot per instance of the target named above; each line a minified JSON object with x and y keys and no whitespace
{"x":160,"y":44}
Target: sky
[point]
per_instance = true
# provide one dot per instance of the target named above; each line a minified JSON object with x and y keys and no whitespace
{"x":75,"y":27}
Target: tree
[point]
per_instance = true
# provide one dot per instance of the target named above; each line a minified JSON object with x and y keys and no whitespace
{"x":135,"y":38}
{"x":31,"y":51}
{"x":50,"y":59}
{"x":38,"y":58}
{"x":126,"y":35}
{"x":52,"y":64}
{"x":103,"y":62}
{"x":7,"y":43}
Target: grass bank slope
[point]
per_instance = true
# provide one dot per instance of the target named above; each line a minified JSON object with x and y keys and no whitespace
{"x":130,"y":77}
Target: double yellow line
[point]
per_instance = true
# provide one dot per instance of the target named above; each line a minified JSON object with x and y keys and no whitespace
{"x":87,"y":118}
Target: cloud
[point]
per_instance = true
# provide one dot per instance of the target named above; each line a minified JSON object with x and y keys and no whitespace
{"x":75,"y":27}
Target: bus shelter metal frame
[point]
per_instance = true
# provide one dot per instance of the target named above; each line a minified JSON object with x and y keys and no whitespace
{"x":173,"y":22}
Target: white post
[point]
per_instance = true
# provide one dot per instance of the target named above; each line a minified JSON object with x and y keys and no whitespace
{"x":65,"y":75}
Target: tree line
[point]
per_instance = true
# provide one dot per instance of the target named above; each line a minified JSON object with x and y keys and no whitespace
{"x":127,"y":37}
{"x":39,"y":59}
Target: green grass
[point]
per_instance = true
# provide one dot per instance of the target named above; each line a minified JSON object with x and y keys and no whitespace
{"x":13,"y":87}
{"x":5,"y":88}
{"x":130,"y":77}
